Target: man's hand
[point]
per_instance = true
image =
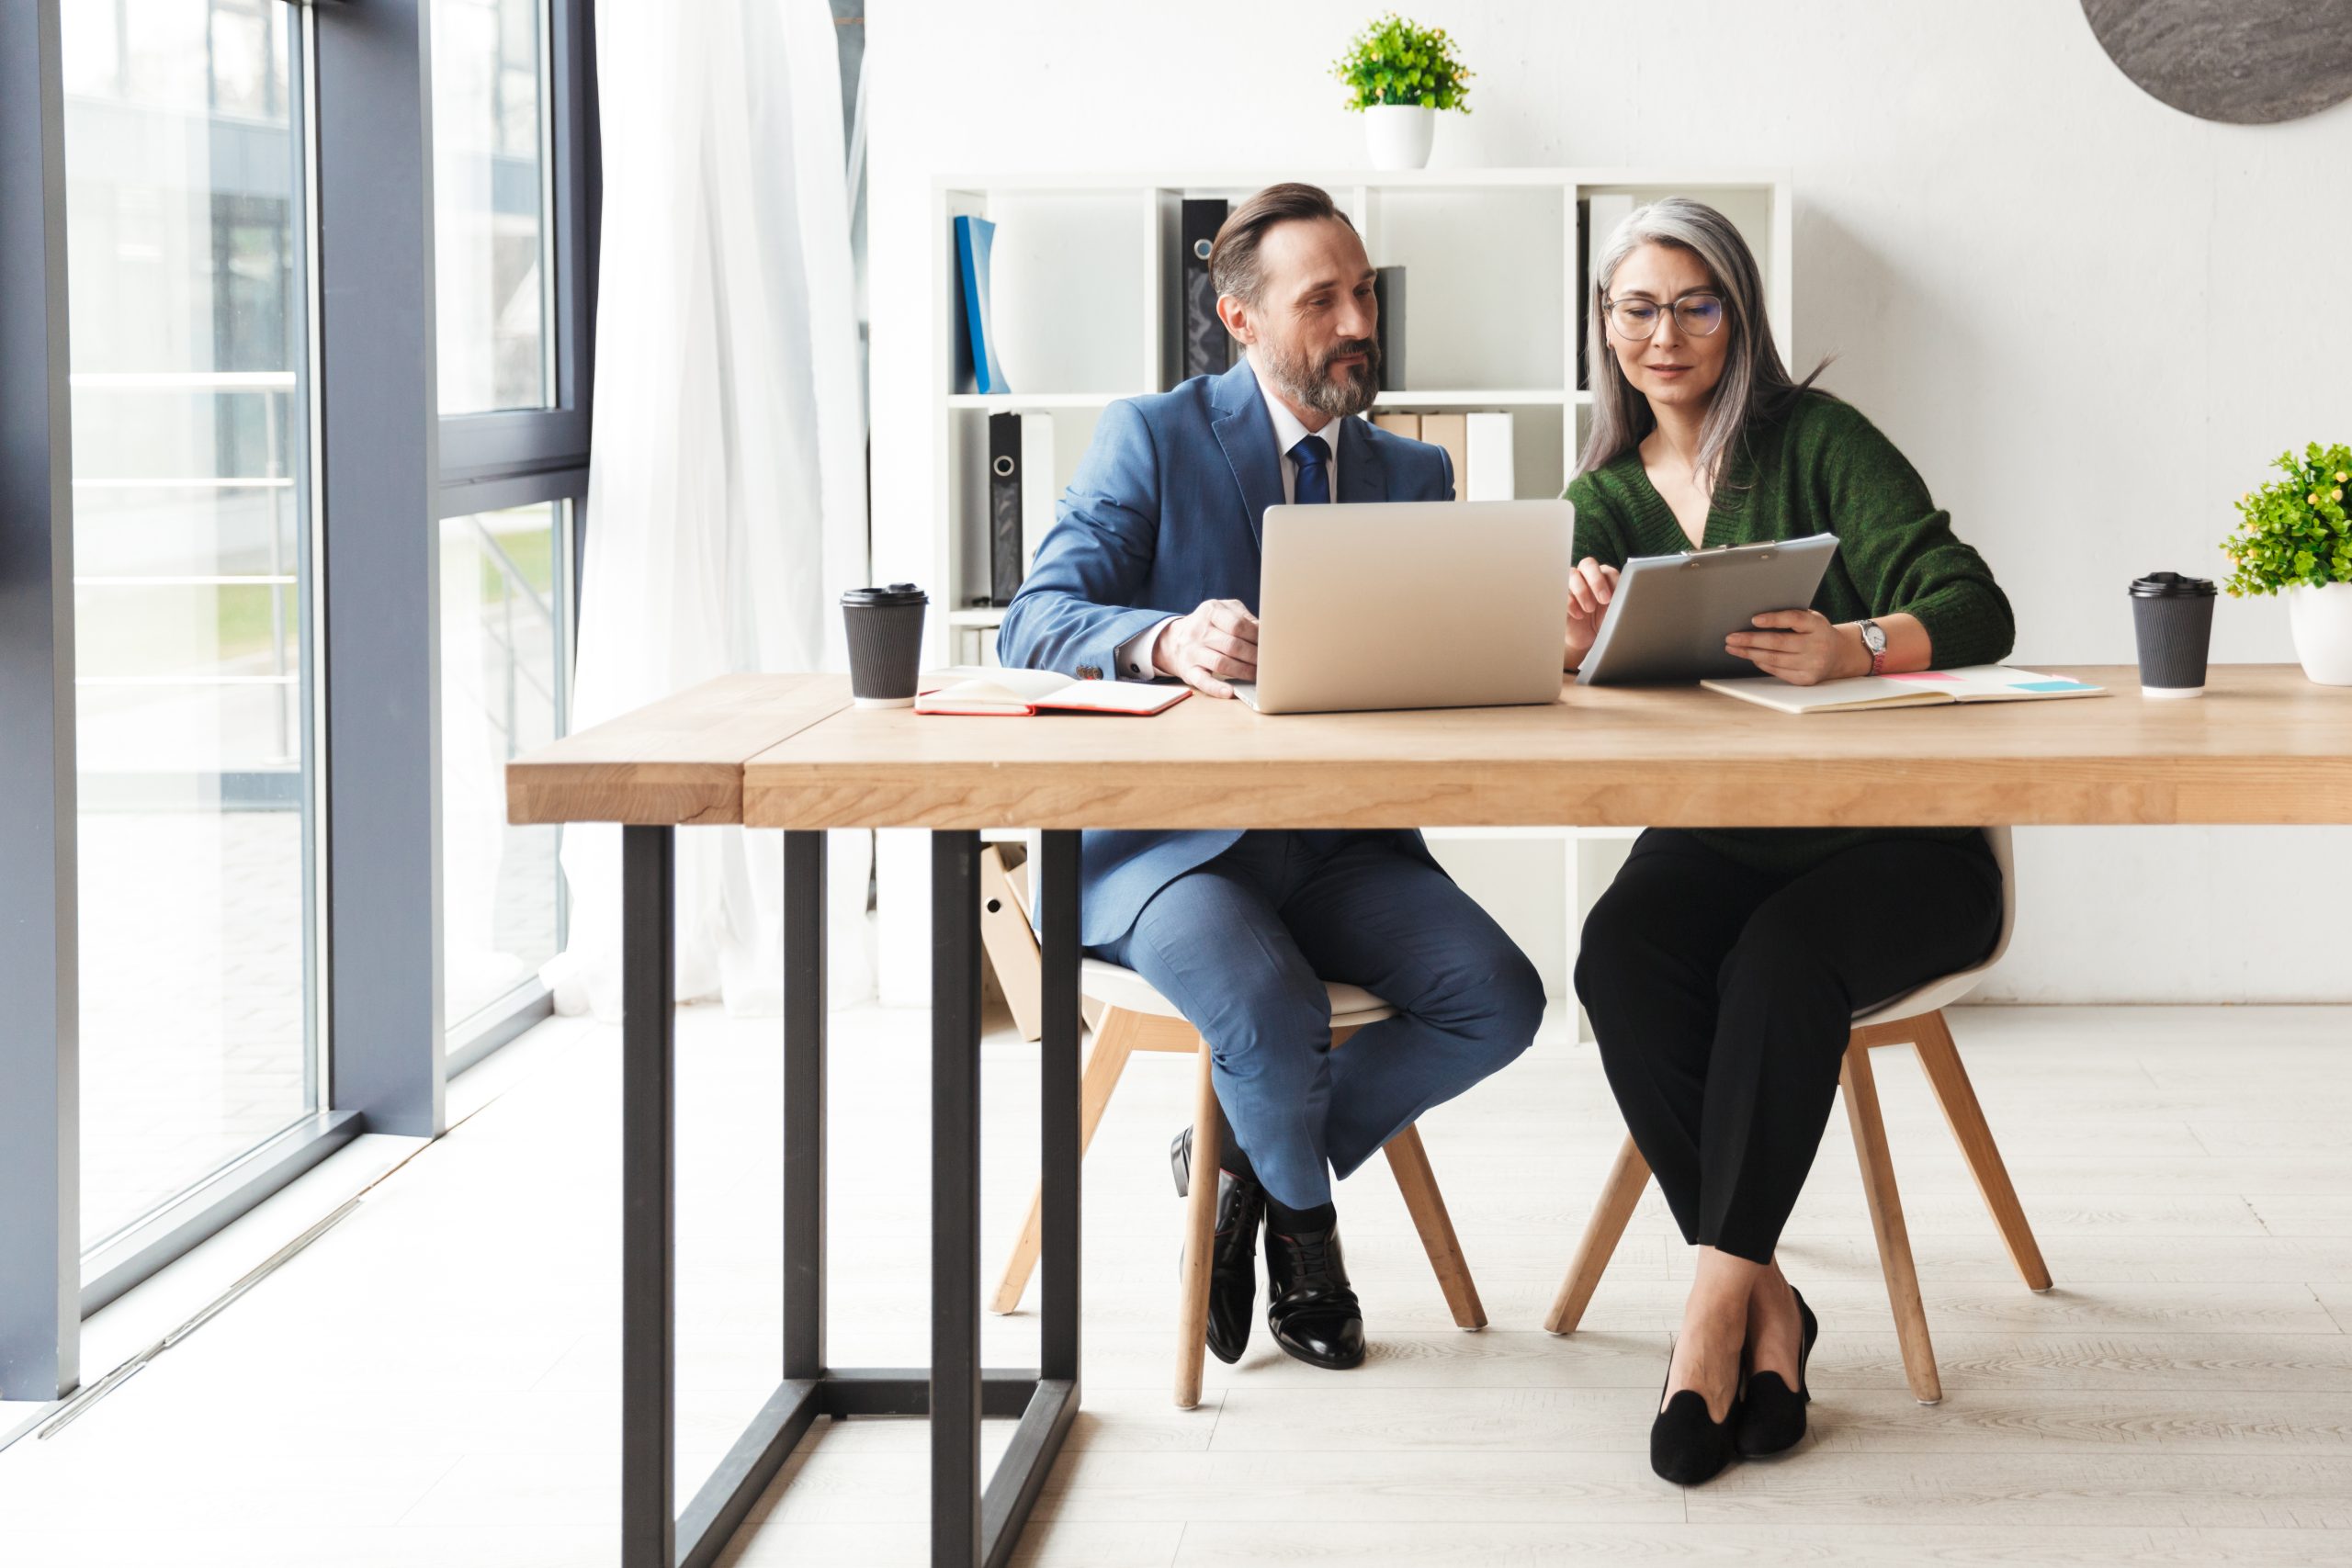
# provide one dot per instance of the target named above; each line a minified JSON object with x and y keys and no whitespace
{"x":1216,"y":643}
{"x":1590,"y":587}
{"x":1804,"y":647}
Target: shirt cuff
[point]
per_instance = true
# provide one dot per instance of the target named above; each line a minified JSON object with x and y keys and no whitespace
{"x":1133,"y":660}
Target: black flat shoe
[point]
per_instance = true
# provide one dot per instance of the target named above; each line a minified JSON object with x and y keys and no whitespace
{"x":1233,"y":1266}
{"x":1771,"y":1417}
{"x":1309,"y":1305}
{"x":1686,"y":1446}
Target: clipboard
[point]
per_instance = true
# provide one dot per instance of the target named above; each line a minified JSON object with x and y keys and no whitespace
{"x":1670,"y":613}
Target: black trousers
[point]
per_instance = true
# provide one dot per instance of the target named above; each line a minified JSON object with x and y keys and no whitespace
{"x":1720,"y":997}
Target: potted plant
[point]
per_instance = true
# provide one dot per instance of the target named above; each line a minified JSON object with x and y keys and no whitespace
{"x":2293,"y":536}
{"x":1399,"y":75}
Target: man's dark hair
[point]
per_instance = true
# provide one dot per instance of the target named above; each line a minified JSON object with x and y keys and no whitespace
{"x":1233,"y":259}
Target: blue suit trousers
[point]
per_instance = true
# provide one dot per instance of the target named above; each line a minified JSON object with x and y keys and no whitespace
{"x":1242,"y":945}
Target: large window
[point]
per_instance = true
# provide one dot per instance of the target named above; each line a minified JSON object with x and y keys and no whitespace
{"x":230,"y":333}
{"x":502,"y":664}
{"x":191,"y":539}
{"x":489,"y":201}
{"x":509,"y":211}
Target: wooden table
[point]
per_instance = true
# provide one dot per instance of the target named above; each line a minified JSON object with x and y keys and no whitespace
{"x":2262,"y":745}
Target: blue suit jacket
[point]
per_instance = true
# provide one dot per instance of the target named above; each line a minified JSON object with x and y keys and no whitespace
{"x":1166,"y":511}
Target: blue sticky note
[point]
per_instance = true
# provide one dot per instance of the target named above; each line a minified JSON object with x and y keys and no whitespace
{"x":2052,"y":686}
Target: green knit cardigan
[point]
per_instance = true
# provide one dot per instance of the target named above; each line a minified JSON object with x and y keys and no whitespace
{"x":1819,"y":467}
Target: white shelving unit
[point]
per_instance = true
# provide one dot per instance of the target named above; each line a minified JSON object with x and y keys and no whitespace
{"x":1086,"y":272}
{"x":1084,"y":285}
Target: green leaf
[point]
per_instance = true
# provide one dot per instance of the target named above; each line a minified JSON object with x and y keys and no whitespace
{"x":2294,"y":529}
{"x":1396,"y":60}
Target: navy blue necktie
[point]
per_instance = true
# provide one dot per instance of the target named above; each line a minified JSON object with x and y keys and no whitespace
{"x":1314,"y":461}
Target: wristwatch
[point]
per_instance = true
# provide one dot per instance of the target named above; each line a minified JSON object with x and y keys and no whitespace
{"x":1874,"y":639}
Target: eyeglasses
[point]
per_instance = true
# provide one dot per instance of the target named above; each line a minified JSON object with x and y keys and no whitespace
{"x":1698,"y":315}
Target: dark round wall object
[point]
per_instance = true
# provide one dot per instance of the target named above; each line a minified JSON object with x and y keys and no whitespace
{"x":2243,"y":62}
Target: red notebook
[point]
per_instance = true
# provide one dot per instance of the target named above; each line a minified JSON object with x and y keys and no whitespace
{"x":1017,"y":693}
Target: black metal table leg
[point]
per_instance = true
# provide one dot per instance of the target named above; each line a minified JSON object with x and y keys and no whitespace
{"x":648,"y":1205}
{"x":654,"y":1534}
{"x":969,"y":1528}
{"x":955,"y":1199}
{"x":804,"y":1106}
{"x":1021,"y":1474}
{"x":1059,"y":1111}
{"x":726,"y":1499}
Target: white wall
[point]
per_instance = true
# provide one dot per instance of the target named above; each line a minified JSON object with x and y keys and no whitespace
{"x":2090,"y":319}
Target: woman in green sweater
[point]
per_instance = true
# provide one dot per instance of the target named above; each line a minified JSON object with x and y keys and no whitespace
{"x":1721,"y":967}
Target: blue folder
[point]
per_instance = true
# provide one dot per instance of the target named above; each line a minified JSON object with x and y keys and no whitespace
{"x":974,"y":236}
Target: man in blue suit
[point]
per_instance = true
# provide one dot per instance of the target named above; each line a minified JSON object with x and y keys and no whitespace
{"x":1151,"y":572}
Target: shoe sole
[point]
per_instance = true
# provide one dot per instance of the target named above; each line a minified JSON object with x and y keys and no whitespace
{"x":1692,"y":1478}
{"x":1317,"y":1362}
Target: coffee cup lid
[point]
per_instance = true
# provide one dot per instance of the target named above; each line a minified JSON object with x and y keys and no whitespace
{"x":2171,"y":585}
{"x":898,"y":593}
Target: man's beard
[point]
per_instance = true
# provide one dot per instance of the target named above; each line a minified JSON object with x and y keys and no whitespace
{"x":1310,"y":382}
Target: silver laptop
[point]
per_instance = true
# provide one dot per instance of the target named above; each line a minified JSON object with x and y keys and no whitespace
{"x":1411,"y":604}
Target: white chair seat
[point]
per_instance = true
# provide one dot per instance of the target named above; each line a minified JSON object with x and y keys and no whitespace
{"x":1353,"y":1006}
{"x":1931,"y":998}
{"x":1939,"y":994}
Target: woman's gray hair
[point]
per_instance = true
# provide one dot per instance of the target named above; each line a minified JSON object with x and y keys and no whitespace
{"x":1756,"y":385}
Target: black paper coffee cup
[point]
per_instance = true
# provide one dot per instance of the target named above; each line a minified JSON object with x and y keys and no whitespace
{"x":885,"y":627}
{"x":2174,"y":617}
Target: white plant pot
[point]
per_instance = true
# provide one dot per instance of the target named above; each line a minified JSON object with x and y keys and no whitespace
{"x":2321,"y":619}
{"x":1397,"y":135}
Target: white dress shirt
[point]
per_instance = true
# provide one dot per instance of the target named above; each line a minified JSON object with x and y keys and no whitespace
{"x":1134,"y":661}
{"x":1289,"y":432}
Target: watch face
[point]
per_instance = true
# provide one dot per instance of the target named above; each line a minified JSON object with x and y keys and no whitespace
{"x":1874,"y":636}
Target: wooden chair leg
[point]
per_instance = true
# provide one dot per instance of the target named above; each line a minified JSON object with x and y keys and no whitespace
{"x":1886,"y":1220}
{"x":1010,"y":946}
{"x":1113,"y":1043}
{"x":1409,"y":1163}
{"x":1200,"y":1241}
{"x":1619,"y":1195}
{"x":1940,"y":1059}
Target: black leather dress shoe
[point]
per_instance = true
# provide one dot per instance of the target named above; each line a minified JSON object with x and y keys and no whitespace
{"x":1233,"y":1269}
{"x":1309,"y":1307}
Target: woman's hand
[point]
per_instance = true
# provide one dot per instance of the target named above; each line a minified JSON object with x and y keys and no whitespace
{"x":1801,"y":646}
{"x":1590,"y":586}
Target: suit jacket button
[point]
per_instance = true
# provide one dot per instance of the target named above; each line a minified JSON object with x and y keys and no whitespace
{"x":1090,"y":672}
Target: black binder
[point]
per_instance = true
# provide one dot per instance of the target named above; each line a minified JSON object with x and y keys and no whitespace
{"x":1208,"y":348}
{"x":1584,"y":293}
{"x":1388,"y":294}
{"x":1004,"y":507}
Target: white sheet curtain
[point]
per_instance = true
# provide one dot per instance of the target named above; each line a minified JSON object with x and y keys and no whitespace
{"x":727,"y":495}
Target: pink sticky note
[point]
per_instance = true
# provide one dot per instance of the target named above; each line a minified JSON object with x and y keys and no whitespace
{"x":1923,"y":675}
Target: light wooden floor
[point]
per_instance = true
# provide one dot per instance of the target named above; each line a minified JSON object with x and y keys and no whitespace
{"x":434,"y":1382}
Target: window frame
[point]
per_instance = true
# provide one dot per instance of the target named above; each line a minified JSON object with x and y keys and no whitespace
{"x":472,"y":1038}
{"x":40,"y":1174}
{"x":510,"y":458}
{"x":385,"y":470}
{"x":508,"y":442}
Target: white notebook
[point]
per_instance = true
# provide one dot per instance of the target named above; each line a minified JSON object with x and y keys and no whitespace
{"x":1016,"y":694}
{"x":1926,"y":688}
